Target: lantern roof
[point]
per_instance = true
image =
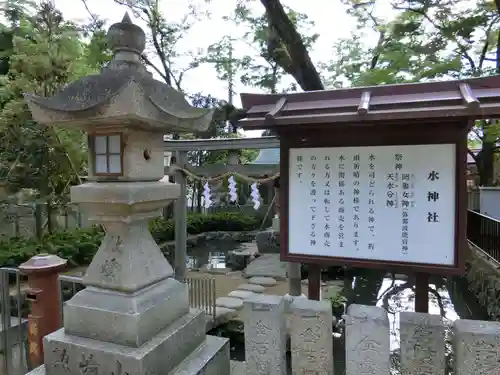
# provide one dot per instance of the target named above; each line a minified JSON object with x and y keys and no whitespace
{"x":123,"y":92}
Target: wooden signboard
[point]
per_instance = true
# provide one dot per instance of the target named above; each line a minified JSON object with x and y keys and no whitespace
{"x":375,"y":206}
{"x":375,"y":176}
{"x":375,"y":203}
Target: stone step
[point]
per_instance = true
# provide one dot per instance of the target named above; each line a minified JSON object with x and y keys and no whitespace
{"x":211,"y":357}
{"x":229,"y":302}
{"x":251,"y":287}
{"x":262,"y":280}
{"x":242,"y":294}
{"x":222,"y":311}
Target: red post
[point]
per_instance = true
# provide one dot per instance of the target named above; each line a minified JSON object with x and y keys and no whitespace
{"x":314,"y":282}
{"x":44,"y":296}
{"x":422,"y":292}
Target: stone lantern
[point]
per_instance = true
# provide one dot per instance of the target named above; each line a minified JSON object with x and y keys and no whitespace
{"x":133,"y":317}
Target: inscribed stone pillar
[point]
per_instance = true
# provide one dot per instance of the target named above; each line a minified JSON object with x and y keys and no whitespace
{"x":293,"y":269}
{"x":367,"y":343}
{"x":311,"y":342}
{"x":265,"y":335}
{"x":476,"y":345}
{"x":422,"y":344}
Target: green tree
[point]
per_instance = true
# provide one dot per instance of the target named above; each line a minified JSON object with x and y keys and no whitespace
{"x":425,"y":40}
{"x":47,"y":52}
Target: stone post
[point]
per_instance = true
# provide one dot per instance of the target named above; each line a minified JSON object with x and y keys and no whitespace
{"x":367,"y":345}
{"x":293,"y":269}
{"x":422,"y":344}
{"x":44,"y":295}
{"x":233,"y":157}
{"x":311,"y":333}
{"x":180,"y":211}
{"x":476,"y":345}
{"x":265,"y":335}
{"x":294,"y":279}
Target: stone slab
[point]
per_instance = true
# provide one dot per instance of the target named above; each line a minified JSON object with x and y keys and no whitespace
{"x":422,"y":342}
{"x":367,"y":346}
{"x":222,"y":316}
{"x":311,"y":333}
{"x":251,"y":287}
{"x":267,"y":265}
{"x":126,"y":319}
{"x":265,"y":335}
{"x":264,"y":281}
{"x":64,"y":353}
{"x":268,"y":241}
{"x":40,"y":370}
{"x":210,"y":358}
{"x":476,"y":346}
{"x":131,"y":194}
{"x":239,"y":259}
{"x":237,"y":368}
{"x":229,"y":302}
{"x":241,"y":294}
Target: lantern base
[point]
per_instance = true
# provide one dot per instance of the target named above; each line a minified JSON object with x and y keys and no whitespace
{"x":123,"y":318}
{"x":181,"y":349}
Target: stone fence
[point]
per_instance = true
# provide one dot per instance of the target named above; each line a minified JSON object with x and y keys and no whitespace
{"x":483,"y":276}
{"x":366,"y":344}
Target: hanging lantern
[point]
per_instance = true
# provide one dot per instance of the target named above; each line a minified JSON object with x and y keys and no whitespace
{"x":233,"y":195}
{"x":255,"y":196}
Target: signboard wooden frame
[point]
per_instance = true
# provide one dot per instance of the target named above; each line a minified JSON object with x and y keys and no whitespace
{"x":405,"y":114}
{"x":376,"y":135}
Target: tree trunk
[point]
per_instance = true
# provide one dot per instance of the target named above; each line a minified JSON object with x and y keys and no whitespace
{"x":38,"y":213}
{"x":485,"y":164}
{"x":49,"y":210}
{"x":296,"y":61}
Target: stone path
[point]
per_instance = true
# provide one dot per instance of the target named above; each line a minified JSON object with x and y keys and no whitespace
{"x":234,"y":301}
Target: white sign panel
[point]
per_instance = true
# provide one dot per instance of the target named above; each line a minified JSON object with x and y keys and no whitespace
{"x":384,"y":203}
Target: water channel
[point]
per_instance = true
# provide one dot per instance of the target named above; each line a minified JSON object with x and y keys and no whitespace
{"x":448,"y":297}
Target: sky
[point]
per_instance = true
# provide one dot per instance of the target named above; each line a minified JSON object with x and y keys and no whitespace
{"x":330,"y":18}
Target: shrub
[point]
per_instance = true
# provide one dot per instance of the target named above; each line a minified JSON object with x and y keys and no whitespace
{"x":79,"y":246}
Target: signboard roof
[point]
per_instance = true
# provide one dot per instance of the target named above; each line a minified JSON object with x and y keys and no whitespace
{"x":472,"y":98}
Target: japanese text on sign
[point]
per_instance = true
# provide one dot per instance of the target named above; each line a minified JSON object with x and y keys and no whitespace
{"x":387,"y":203}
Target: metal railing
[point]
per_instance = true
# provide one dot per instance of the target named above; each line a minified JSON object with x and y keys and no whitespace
{"x":484,"y":232}
{"x":70,"y":285}
{"x":14,"y":357}
{"x":201,"y":292}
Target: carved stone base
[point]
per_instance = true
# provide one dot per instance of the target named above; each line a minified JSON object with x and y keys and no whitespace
{"x":123,"y":318}
{"x":183,"y":345}
{"x":210,"y":358}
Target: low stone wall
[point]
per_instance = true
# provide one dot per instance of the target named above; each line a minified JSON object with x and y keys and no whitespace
{"x":194,"y":240}
{"x":483,"y":275}
{"x":424,"y":346}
